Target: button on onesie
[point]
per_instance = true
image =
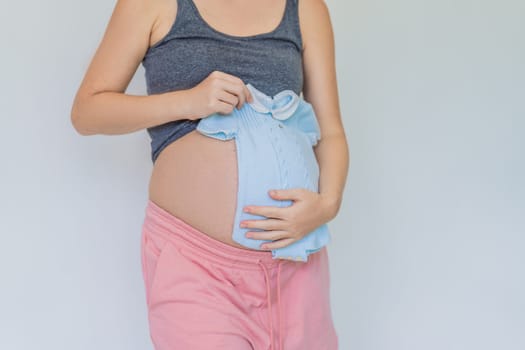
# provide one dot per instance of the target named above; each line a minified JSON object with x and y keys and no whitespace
{"x":274,"y":138}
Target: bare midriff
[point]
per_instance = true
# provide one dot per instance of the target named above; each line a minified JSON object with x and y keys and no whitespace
{"x":195,"y":179}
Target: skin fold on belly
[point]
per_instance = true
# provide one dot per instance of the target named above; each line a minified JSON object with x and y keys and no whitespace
{"x":195,"y":179}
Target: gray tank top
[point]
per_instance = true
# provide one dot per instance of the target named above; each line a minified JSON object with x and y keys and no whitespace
{"x":192,"y":49}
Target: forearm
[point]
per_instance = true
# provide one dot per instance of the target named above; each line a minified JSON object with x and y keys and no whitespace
{"x":118,"y":113}
{"x":334,"y":159}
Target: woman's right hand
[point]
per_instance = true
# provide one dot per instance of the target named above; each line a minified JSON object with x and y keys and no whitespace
{"x":219,"y":92}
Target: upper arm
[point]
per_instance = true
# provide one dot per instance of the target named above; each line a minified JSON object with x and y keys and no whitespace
{"x":320,"y":82}
{"x":125,"y":41}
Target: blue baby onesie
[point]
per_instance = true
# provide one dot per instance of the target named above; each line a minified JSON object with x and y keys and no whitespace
{"x":274,"y":140}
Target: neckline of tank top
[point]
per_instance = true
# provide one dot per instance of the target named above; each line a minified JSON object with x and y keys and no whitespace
{"x":193,"y":8}
{"x":282,"y":21}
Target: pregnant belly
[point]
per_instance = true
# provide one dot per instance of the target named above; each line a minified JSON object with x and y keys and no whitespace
{"x":195,"y":179}
{"x":206,"y":177}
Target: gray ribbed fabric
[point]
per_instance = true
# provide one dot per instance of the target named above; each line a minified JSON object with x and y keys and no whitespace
{"x":192,"y":49}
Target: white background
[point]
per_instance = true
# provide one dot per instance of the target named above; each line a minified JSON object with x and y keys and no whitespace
{"x":427,"y":249}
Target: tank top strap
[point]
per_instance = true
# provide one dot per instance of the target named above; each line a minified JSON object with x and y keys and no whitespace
{"x":292,"y":20}
{"x":190,"y":10}
{"x":185,"y":14}
{"x":288,"y":28}
{"x":290,"y":14}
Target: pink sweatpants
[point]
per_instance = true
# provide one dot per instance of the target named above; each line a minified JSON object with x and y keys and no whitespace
{"x":204,"y":294}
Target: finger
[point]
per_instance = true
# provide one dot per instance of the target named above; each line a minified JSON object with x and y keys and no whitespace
{"x":235,"y":88}
{"x":289,"y":193}
{"x":228,"y":77}
{"x":227,"y":97}
{"x":234,"y":80}
{"x":248,"y":93}
{"x":224,"y":108}
{"x":264,"y":224}
{"x":277,"y":244}
{"x":267,"y":235}
{"x":267,"y":211}
{"x":244,"y":93}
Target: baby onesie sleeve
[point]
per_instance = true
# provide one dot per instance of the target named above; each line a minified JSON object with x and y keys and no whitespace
{"x":219,"y":126}
{"x":305,"y":120}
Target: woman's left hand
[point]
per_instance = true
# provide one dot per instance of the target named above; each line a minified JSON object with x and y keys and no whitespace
{"x":285,"y":225}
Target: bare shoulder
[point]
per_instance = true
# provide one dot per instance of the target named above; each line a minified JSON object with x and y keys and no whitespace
{"x":314,"y":20}
{"x":320,"y":78}
{"x":122,"y":47}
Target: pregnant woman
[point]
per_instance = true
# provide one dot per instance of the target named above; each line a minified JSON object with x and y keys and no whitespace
{"x":225,"y":117}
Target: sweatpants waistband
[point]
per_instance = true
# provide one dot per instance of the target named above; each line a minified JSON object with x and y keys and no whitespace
{"x":157,"y":219}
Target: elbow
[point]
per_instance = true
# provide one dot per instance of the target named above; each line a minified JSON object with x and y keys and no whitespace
{"x":77,"y":125}
{"x":78,"y":120}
